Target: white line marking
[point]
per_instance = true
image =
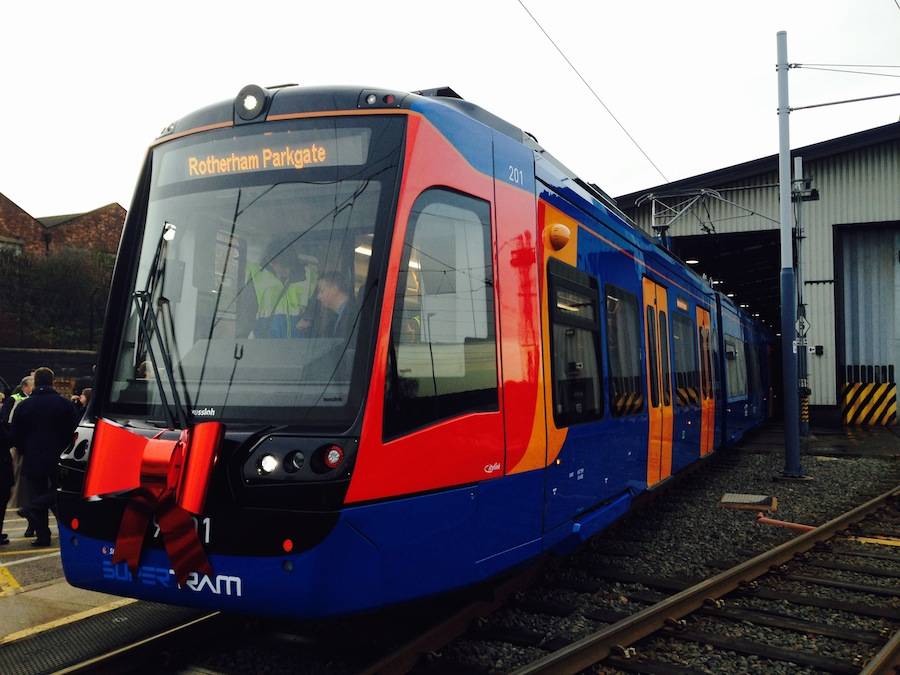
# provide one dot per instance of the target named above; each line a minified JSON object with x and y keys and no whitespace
{"x":37,"y":557}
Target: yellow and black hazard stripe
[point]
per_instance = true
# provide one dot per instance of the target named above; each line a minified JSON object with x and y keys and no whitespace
{"x":688,"y":396}
{"x":870,"y":403}
{"x":628,"y":403}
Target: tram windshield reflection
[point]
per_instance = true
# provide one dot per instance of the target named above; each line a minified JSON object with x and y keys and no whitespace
{"x":243,"y":230}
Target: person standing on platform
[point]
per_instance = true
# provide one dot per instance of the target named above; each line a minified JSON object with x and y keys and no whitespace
{"x":42,"y":427}
{"x":20,"y":496}
{"x":81,"y":402}
{"x":7,"y":478}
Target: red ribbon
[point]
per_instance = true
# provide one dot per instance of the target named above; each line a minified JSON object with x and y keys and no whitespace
{"x":168,"y":479}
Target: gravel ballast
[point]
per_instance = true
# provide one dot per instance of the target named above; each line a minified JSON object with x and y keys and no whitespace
{"x":686,"y":534}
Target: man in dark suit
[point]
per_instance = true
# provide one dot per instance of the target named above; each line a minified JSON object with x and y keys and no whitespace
{"x":42,"y":427}
{"x":333,"y":294}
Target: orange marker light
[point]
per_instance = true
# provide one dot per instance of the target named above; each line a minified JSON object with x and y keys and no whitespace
{"x":559,"y":236}
{"x":287,"y":545}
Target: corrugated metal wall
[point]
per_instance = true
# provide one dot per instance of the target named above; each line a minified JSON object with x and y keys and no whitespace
{"x":859,"y":187}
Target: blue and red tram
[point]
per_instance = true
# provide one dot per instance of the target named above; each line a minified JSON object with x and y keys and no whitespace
{"x":364,"y":346}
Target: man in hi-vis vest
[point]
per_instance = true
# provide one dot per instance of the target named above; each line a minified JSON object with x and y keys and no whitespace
{"x":282,"y":284}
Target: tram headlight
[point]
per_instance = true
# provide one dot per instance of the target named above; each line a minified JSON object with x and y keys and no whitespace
{"x":250,"y":102}
{"x":267,"y":464}
{"x":294,"y":461}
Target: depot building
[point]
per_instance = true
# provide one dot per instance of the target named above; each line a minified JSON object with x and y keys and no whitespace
{"x":846,"y":206}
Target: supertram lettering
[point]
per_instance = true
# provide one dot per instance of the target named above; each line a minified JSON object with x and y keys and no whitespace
{"x":265,"y":158}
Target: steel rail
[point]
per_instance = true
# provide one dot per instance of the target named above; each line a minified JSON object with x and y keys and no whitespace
{"x":114,"y":661}
{"x":404,"y":658}
{"x":887,"y":660}
{"x":594,"y":648}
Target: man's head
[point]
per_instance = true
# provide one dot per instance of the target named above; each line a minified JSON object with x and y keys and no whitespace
{"x":281,"y":258}
{"x":43,"y":377}
{"x":332,"y":290}
{"x":27,"y":384}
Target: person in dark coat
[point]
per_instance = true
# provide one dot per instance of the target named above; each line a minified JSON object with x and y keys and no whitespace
{"x":42,"y":427}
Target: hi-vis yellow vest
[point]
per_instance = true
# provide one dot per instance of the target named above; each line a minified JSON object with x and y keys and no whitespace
{"x":273,"y":299}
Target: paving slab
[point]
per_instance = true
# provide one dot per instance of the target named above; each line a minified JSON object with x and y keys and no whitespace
{"x":46,"y":603}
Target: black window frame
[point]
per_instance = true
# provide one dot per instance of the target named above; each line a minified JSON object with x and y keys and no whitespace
{"x":563,"y":276}
{"x":665,"y":355}
{"x":692,"y":379}
{"x":633,"y":399}
{"x":398,"y":418}
{"x":652,"y":357}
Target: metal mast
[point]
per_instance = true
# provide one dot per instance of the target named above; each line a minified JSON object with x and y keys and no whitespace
{"x":792,"y":468}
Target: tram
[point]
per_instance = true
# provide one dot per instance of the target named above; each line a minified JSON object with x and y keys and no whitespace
{"x":365,"y":346}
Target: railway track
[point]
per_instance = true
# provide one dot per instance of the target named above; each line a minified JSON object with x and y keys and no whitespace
{"x":630,"y":574}
{"x":705,"y":613}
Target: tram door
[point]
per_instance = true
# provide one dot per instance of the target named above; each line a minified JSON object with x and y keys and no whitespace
{"x":659,"y":382}
{"x":707,"y":398}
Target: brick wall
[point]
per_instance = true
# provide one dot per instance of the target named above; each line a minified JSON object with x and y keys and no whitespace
{"x":97,"y":230}
{"x":17,"y":228}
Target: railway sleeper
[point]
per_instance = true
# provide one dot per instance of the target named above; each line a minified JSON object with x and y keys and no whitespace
{"x":853,"y":553}
{"x":641,"y":665}
{"x":823,"y":603}
{"x":662,"y":583}
{"x":774,"y":620}
{"x":579,"y":585}
{"x":858,"y":569}
{"x":548,"y":606}
{"x":605,"y":615}
{"x":754,"y":648}
{"x":768,"y":617}
{"x":514,"y":635}
{"x":843,"y":585}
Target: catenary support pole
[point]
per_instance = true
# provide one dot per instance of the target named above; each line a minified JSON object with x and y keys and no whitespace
{"x":792,"y":466}
{"x":797,"y":191}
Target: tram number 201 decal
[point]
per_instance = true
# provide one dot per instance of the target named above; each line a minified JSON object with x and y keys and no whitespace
{"x":516,"y":175}
{"x":202,"y":525}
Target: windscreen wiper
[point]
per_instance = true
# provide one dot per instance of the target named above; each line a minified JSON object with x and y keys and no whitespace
{"x":149,"y":326}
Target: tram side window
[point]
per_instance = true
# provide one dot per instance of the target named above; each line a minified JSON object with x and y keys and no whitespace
{"x":735,"y":368}
{"x":623,"y":345}
{"x":574,"y":345}
{"x":664,"y":352}
{"x":687,"y":377}
{"x":753,"y":365}
{"x":706,"y":368}
{"x":442,"y":359}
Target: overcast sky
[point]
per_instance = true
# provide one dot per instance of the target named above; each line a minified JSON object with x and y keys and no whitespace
{"x":87,"y":85}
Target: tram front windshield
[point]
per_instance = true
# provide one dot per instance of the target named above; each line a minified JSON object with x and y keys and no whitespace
{"x":253,"y":299}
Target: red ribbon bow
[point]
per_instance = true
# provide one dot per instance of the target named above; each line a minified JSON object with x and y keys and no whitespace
{"x":169,"y":480}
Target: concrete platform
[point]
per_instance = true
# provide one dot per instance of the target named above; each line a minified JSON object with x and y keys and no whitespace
{"x":33,"y":591}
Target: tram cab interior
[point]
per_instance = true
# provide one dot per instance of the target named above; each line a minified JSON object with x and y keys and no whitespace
{"x":230,"y":267}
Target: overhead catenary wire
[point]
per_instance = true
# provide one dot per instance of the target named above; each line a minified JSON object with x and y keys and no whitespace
{"x":843,"y":70}
{"x":843,"y":65}
{"x":849,"y":100}
{"x":591,"y":89}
